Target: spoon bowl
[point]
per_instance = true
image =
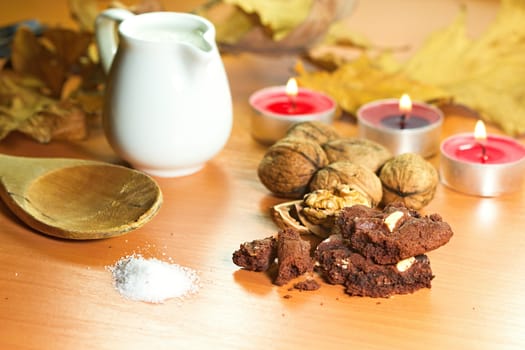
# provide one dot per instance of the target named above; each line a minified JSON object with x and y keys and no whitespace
{"x":77,"y":199}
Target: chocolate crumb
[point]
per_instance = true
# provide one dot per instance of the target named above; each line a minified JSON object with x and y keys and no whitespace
{"x":307,"y":285}
{"x":257,"y":255}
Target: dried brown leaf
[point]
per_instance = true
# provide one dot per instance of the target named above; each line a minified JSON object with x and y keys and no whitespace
{"x":23,"y":108}
{"x":68,"y":45}
{"x":30,"y":57}
{"x":7,"y":123}
{"x":84,"y":13}
{"x":59,"y":122}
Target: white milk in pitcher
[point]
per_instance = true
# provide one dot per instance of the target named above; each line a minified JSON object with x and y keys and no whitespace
{"x":193,"y":38}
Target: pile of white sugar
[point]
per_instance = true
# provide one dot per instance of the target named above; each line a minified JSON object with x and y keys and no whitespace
{"x":152,"y":280}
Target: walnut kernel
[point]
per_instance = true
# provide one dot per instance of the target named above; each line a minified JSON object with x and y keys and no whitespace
{"x":316,"y":213}
{"x":321,"y":205}
{"x":356,"y":176}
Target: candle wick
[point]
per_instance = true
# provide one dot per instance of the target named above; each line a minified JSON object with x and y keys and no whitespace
{"x":293,"y":103}
{"x":402,"y":122}
{"x":484,"y":156}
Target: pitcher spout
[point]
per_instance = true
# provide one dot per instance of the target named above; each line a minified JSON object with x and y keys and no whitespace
{"x":198,"y":44}
{"x":200,"y":40}
{"x":187,"y":32}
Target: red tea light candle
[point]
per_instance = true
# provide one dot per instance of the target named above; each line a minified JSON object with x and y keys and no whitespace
{"x":482,"y":165}
{"x":402,"y":125}
{"x":277,"y":108}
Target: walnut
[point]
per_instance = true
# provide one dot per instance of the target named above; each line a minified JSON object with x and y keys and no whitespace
{"x":323,"y":205}
{"x":356,"y":176}
{"x":410,"y":179}
{"x":316,"y":213}
{"x":313,"y":130}
{"x":364,"y":152}
{"x":288,"y":166}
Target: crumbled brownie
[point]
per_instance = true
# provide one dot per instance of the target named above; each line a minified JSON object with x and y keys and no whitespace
{"x":371,"y":252}
{"x":293,"y":256}
{"x":333,"y":252}
{"x":256,"y":255}
{"x":361,"y":276}
{"x":307,"y":285}
{"x":393,"y":234}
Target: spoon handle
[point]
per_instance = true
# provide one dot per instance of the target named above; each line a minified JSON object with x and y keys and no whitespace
{"x":14,"y":169}
{"x":6,"y":164}
{"x":18,"y":166}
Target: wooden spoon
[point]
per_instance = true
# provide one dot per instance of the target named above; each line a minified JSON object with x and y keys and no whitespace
{"x":77,"y":199}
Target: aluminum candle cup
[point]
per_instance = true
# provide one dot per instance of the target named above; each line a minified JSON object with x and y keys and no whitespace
{"x":417,"y":130}
{"x":466,"y":168}
{"x":275,"y":111}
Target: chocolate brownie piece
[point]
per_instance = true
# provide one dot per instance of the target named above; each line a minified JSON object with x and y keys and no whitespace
{"x":330,"y":257}
{"x":361,"y":276}
{"x":307,"y":285}
{"x":293,"y":256}
{"x":344,"y":223}
{"x":256,"y":255}
{"x":374,"y":280}
{"x":393,"y":234}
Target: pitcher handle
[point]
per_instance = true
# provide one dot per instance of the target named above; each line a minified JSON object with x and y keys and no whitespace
{"x":106,"y":34}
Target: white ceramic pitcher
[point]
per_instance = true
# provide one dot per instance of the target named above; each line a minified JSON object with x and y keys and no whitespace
{"x":167,"y":108}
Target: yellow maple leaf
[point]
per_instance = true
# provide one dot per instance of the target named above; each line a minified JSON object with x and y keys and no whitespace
{"x":486,"y":74}
{"x":363,"y":80}
{"x":233,"y":24}
{"x":280,"y":16}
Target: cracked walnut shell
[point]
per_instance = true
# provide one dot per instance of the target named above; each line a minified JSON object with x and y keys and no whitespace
{"x":410,"y":179}
{"x":316,"y":213}
{"x":288,"y":166}
{"x":321,"y":206}
{"x":356,"y":176}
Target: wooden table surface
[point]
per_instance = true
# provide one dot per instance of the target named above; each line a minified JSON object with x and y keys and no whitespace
{"x":58,"y":294}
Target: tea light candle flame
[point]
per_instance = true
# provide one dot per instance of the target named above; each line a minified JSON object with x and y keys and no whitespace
{"x":480,"y":135}
{"x":292,"y":90}
{"x":405,"y":107}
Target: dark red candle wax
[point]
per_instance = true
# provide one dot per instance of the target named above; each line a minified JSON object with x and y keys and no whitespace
{"x":407,"y":122}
